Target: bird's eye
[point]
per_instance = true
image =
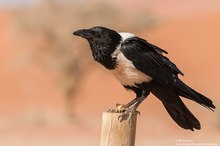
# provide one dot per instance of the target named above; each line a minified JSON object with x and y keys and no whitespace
{"x":97,"y":33}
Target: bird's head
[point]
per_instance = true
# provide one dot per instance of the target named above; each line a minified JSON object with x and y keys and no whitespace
{"x":100,"y":38}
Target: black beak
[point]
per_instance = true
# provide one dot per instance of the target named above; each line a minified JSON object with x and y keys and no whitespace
{"x":84,"y":33}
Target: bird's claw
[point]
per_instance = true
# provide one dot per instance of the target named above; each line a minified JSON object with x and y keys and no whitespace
{"x":127,"y":114}
{"x":119,"y":108}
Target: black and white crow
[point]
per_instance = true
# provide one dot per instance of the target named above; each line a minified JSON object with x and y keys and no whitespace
{"x":141,"y":67}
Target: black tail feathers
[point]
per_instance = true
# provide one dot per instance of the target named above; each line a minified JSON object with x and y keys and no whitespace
{"x":204,"y":101}
{"x":176,"y":108}
{"x":183,"y":90}
{"x":183,"y":117}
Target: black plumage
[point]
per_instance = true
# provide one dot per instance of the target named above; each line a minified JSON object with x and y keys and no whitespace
{"x":141,"y":67}
{"x":149,"y":60}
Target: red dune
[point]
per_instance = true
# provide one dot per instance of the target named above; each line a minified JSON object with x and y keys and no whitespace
{"x":32,"y":107}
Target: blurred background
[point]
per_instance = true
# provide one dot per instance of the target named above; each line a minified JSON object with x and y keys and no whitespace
{"x":52,"y":91}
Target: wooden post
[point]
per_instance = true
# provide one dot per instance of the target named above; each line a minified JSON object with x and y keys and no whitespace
{"x":117,"y":132}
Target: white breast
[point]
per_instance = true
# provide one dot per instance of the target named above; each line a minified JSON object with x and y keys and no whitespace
{"x":127,"y":74}
{"x":125,"y":71}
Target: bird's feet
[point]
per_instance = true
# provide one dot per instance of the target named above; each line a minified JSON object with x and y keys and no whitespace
{"x":126,"y":112}
{"x":119,"y":108}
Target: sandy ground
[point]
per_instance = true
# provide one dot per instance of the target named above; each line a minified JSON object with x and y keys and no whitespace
{"x":32,"y":108}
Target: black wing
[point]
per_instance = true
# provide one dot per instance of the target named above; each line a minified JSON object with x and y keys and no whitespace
{"x":149,"y":59}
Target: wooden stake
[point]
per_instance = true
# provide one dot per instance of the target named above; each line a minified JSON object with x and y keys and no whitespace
{"x":117,"y":132}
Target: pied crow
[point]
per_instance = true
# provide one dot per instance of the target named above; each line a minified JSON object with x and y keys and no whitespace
{"x":142,"y":67}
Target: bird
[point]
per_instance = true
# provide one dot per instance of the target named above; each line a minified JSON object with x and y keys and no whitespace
{"x":143,"y":68}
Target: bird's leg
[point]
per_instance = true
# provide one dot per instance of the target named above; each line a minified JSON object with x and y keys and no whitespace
{"x":132,"y":102}
{"x":138,"y":95}
{"x":145,"y":94}
{"x":120,"y":108}
{"x":132,"y":110}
